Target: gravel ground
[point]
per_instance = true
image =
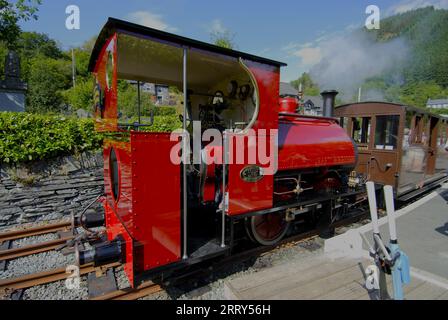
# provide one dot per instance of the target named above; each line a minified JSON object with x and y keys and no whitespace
{"x":208,"y":288}
{"x":36,"y":263}
{"x":215,"y":290}
{"x":34,"y":240}
{"x":57,"y":291}
{"x":121,"y":278}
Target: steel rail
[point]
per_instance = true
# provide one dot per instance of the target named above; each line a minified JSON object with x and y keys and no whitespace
{"x":15,"y":253}
{"x":141,"y":291}
{"x":35,"y":231}
{"x":45,"y":277}
{"x":149,"y":287}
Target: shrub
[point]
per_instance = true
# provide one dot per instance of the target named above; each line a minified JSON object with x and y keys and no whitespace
{"x":28,"y":137}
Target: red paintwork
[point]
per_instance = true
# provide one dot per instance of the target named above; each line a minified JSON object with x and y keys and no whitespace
{"x":288,"y":105}
{"x":210,"y":176}
{"x":307,"y":142}
{"x":250,"y":196}
{"x":148,"y":207}
{"x":114,"y":229}
{"x":156,"y":196}
{"x":107,"y":122}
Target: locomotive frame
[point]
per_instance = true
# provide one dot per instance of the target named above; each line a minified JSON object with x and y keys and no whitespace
{"x":156,"y":219}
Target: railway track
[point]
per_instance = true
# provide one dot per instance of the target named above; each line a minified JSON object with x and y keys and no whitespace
{"x":36,"y":231}
{"x":7,"y":253}
{"x":147,"y":288}
{"x":15,"y":253}
{"x":45,"y":277}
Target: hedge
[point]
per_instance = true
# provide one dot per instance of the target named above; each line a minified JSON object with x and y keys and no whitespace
{"x":26,"y":137}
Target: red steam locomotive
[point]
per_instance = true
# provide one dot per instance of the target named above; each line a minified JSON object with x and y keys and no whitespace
{"x":266,"y":168}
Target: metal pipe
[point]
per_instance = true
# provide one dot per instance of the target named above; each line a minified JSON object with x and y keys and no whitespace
{"x":329,"y":102}
{"x":224,"y":183}
{"x":184,"y":176}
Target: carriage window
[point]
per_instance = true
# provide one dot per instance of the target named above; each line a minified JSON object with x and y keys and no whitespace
{"x":408,"y":132}
{"x":361,"y":130}
{"x":344,"y":122}
{"x":386,"y":134}
{"x":442,"y":134}
{"x":418,"y":130}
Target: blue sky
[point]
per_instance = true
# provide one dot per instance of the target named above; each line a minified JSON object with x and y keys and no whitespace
{"x":285,"y":30}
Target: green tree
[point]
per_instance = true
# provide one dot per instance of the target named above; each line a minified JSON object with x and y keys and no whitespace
{"x":80,"y":96}
{"x":128,"y":100}
{"x":417,"y":94}
{"x":224,"y":39}
{"x":32,"y":44}
{"x":47,"y":79}
{"x":11,"y":13}
{"x":309,"y":87}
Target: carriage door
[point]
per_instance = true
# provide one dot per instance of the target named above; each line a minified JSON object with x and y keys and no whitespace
{"x":384,"y":160}
{"x":432,"y":146}
{"x":360,"y":132}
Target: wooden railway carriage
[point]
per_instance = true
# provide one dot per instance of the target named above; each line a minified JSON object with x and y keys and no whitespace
{"x":398,"y":145}
{"x":162,"y":214}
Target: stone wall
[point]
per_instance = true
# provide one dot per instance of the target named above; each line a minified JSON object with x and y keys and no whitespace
{"x":49,"y":190}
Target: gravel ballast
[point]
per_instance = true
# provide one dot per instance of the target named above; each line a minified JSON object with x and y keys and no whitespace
{"x":210,"y":287}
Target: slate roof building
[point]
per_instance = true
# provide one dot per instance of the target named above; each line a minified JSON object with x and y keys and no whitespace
{"x":287,"y":90}
{"x":437,"y":104}
{"x":12,"y":88}
{"x":313,"y":105}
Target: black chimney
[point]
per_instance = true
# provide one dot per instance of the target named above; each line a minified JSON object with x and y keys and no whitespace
{"x":329,"y":98}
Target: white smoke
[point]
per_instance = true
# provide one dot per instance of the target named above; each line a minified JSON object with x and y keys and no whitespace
{"x":347,"y":61}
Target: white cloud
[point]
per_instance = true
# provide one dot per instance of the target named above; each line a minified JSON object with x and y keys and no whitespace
{"x":151,"y":20}
{"x":217,"y":27}
{"x":309,"y":56}
{"x":407,"y":5}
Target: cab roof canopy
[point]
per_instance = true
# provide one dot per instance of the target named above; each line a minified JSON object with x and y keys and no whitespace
{"x":119,"y":26}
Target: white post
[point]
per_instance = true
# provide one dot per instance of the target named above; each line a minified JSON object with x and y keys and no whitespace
{"x":389,"y":196}
{"x":373,"y":208}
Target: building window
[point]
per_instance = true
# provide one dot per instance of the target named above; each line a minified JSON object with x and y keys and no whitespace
{"x":386,"y":135}
{"x":361,"y":130}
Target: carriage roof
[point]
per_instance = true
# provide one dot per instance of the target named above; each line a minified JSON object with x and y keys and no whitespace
{"x":407,"y":108}
{"x":119,"y":26}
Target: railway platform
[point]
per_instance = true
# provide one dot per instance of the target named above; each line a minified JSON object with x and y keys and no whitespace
{"x":338,"y":273}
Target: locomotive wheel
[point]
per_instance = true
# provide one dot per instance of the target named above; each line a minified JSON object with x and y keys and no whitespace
{"x":267,"y":229}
